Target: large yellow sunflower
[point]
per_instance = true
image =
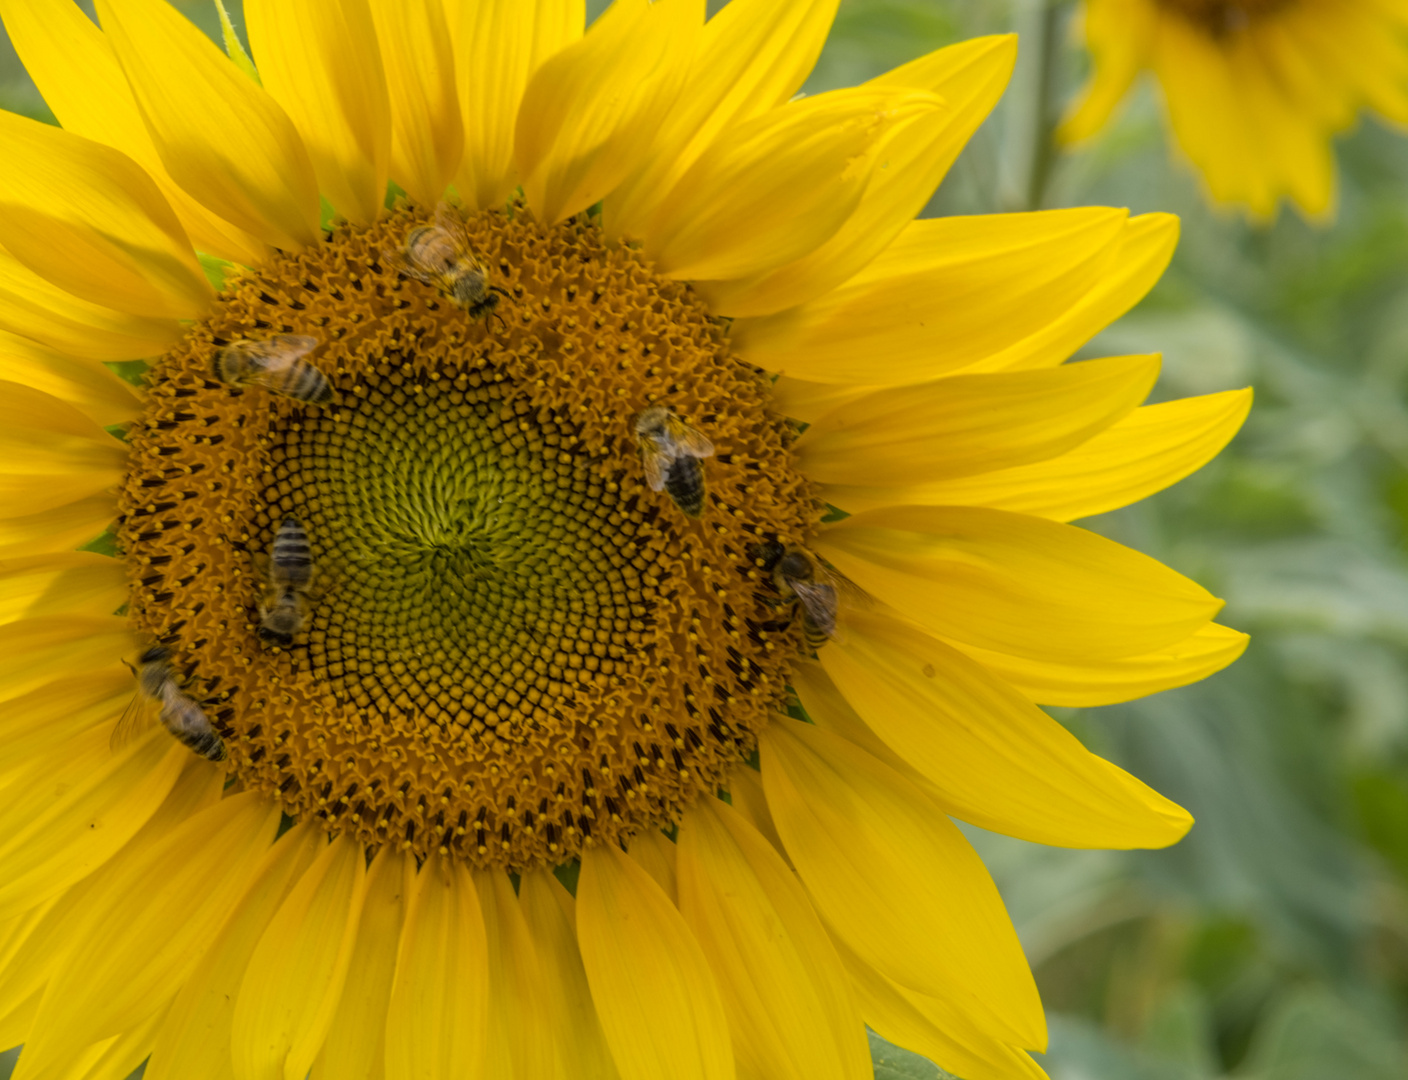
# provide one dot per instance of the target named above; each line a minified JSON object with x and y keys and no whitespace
{"x":1254,"y":89}
{"x":521,"y":789}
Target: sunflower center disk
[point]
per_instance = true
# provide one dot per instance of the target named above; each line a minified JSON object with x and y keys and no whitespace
{"x":512,"y":646}
{"x":1224,"y":16}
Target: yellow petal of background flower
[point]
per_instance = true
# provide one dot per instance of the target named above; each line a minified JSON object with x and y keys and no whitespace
{"x":789,"y":1007}
{"x":1208,"y":649}
{"x":68,"y":583}
{"x":753,"y":56}
{"x":653,"y":989}
{"x":894,"y":878}
{"x":437,"y":1019}
{"x":34,"y":308}
{"x":70,"y":61}
{"x":743,"y":208}
{"x":74,"y":806}
{"x":499,"y":47}
{"x":548,"y":909}
{"x":220,"y":136}
{"x":87,"y":218}
{"x":969,"y":77}
{"x":321,"y":62}
{"x":1146,"y":451}
{"x":995,"y":759}
{"x":355,"y":1048}
{"x":52,"y":454}
{"x":58,"y":711}
{"x":294,"y":981}
{"x":522,"y":1042}
{"x":931,"y":1028}
{"x":587,"y":115}
{"x":1119,"y":36}
{"x":88,"y":386}
{"x":150,"y":925}
{"x":1018,"y":584}
{"x":971,"y":424}
{"x":947,"y":293}
{"x":427,"y":134}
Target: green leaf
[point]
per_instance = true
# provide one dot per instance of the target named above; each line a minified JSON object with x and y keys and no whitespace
{"x":894,"y":1063}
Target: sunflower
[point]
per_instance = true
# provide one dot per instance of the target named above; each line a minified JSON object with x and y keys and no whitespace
{"x":1254,"y":89}
{"x":670,"y":535}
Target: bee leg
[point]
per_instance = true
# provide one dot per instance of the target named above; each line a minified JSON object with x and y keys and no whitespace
{"x":502,"y":321}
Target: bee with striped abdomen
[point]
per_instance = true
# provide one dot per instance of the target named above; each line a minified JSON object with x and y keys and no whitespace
{"x":158,"y":693}
{"x":672,"y":454}
{"x":284,"y":606}
{"x":276,"y":364}
{"x":440,"y":256}
{"x":800,"y":577}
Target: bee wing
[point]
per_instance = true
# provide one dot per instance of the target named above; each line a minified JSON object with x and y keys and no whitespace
{"x":287,"y":350}
{"x":136,"y":718}
{"x":450,"y":218}
{"x":819,"y":598}
{"x":657,"y":464}
{"x":688,"y":440}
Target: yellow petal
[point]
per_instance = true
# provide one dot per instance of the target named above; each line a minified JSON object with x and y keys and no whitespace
{"x":50,"y":453}
{"x":1119,"y":36}
{"x":88,"y":386}
{"x":117,"y":1056}
{"x":321,"y":62}
{"x":61,"y":529}
{"x":294,"y":980}
{"x":587,"y":115}
{"x":150,"y":924}
{"x":73,"y":583}
{"x":499,"y":47}
{"x":34,"y":308}
{"x":653,"y":989}
{"x":87,"y":218}
{"x":896,"y":880}
{"x":656,"y":853}
{"x":789,"y":1007}
{"x":220,"y":136}
{"x":59,"y":710}
{"x":1146,"y":451}
{"x":49,"y":937}
{"x":522,"y":1040}
{"x":34,"y":945}
{"x":195,"y":1041}
{"x":1208,"y":649}
{"x":355,"y":1048}
{"x":437,"y":1018}
{"x":929,"y":1027}
{"x":946,"y":294}
{"x":753,"y":56}
{"x":427,"y":134}
{"x":73,"y":66}
{"x":75,"y":806}
{"x":548,"y":909}
{"x":36,"y":651}
{"x":778,"y":186}
{"x":745,"y":792}
{"x":994,"y":758}
{"x":971,"y":424}
{"x":969,"y":77}
{"x":1138,"y":261}
{"x":1016,"y":584}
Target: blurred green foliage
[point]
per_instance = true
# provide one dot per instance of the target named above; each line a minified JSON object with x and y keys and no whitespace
{"x":1271,"y":944}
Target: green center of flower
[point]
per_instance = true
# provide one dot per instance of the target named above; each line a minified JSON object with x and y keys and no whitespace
{"x":509,"y":645}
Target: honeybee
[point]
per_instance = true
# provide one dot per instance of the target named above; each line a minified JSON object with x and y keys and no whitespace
{"x":277,"y":364}
{"x":158,"y":691}
{"x":439,"y":255}
{"x":672,"y":453}
{"x":800,"y":577}
{"x":284,"y":607}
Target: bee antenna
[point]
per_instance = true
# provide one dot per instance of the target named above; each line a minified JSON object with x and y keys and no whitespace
{"x":502,"y":321}
{"x":501,"y":291}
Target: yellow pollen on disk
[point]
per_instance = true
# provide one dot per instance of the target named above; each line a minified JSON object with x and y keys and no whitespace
{"x":514,"y":646}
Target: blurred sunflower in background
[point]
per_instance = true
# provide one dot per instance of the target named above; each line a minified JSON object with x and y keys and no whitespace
{"x":593,"y":573}
{"x":1254,"y":89}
